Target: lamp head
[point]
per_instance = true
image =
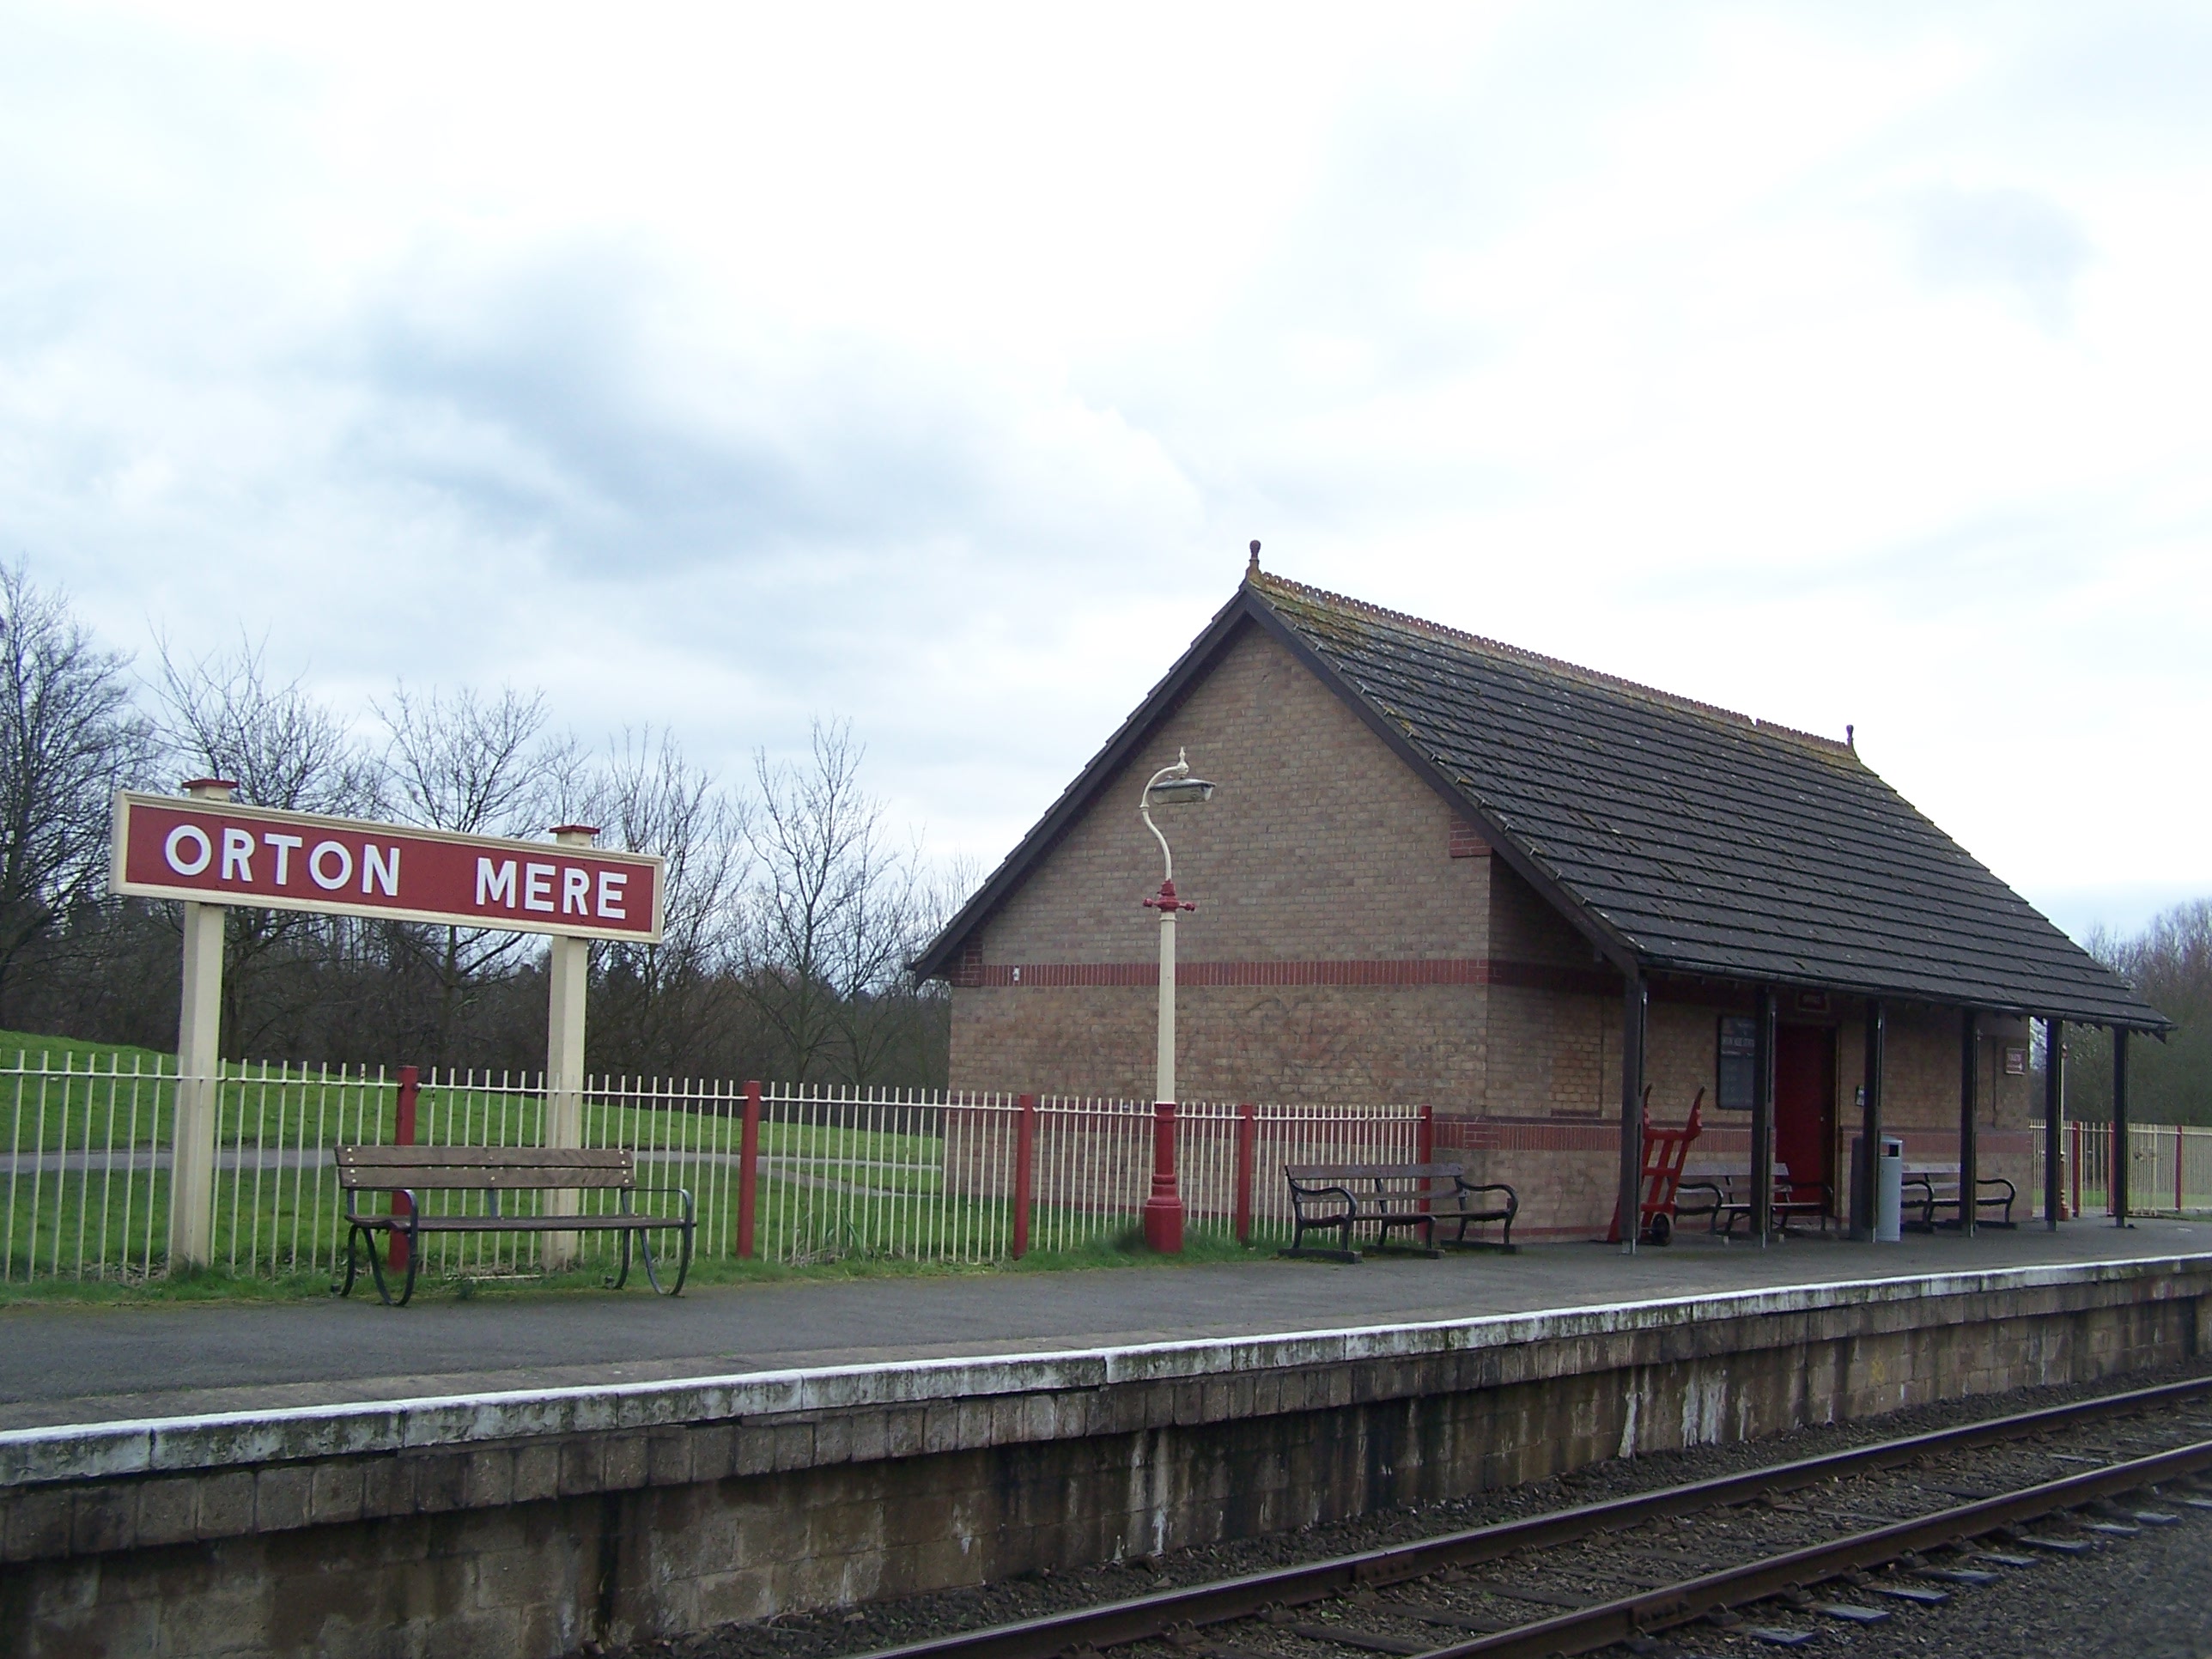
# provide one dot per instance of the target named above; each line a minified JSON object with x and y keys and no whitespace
{"x":1181,"y":792}
{"x":1173,"y":786}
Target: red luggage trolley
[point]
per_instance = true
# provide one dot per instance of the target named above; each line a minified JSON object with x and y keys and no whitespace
{"x":1664,"y":1151}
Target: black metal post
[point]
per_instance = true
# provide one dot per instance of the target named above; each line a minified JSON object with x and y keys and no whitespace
{"x":1970,"y":1078}
{"x":1866,"y":1197}
{"x":1762,"y":1122}
{"x":2119,"y":1181}
{"x":1635,"y":1004}
{"x":2054,"y":1112}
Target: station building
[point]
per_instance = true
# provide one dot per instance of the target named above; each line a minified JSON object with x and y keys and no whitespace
{"x":1444,"y":871}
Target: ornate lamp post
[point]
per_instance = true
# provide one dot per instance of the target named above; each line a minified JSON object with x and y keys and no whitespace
{"x":1171,"y":785}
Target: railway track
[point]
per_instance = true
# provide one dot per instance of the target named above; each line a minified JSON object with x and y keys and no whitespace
{"x":1843,"y":1538}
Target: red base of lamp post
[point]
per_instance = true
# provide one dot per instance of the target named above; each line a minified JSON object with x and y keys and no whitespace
{"x":1163,"y":1209}
{"x":1164,"y":1222}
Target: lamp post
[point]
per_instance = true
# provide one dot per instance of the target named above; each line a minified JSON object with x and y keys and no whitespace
{"x":1171,"y":786}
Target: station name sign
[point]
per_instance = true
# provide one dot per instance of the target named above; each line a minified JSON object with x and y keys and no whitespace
{"x":216,"y":853}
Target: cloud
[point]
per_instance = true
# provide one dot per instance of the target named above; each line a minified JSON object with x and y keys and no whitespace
{"x":731,"y":369}
{"x":2009,"y":240}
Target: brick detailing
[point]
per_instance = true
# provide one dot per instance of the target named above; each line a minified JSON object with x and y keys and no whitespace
{"x":1466,"y":841}
{"x":1447,"y":970}
{"x":969,"y":975}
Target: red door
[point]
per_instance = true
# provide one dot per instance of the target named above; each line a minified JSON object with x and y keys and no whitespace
{"x":1805,"y":1110}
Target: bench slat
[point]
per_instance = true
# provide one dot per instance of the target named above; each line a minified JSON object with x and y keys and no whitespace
{"x":1372,"y":1171}
{"x":519,"y":1223}
{"x":506,"y":1169}
{"x":520,"y":1158}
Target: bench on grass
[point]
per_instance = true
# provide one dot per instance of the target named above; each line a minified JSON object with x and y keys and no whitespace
{"x":492,"y":1170}
{"x":1339,"y":1197}
{"x":1933,"y":1186}
{"x":1727,"y":1190}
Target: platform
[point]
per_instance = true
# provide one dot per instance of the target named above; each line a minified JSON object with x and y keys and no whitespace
{"x":82,"y":1364}
{"x":550,"y":1470}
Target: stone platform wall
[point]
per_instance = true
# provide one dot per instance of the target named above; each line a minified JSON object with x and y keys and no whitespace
{"x":524,"y":1524}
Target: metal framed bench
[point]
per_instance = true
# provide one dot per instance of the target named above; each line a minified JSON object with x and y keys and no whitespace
{"x":1933,"y":1187}
{"x":1726,"y":1190}
{"x":1339,"y":1197}
{"x":492,"y":1170}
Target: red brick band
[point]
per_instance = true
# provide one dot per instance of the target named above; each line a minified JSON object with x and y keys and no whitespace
{"x":1434,"y":970}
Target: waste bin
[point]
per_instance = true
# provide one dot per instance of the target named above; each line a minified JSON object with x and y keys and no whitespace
{"x":1889,"y":1186}
{"x":1889,"y":1192}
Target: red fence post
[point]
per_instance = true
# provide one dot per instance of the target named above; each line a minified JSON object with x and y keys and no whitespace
{"x":1163,"y":1209}
{"x":748,"y":1170}
{"x":403,"y":1134}
{"x":1247,"y":1135}
{"x":1025,"y":1172}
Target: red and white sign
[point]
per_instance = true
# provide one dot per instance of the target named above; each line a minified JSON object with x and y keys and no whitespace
{"x":219,"y":853}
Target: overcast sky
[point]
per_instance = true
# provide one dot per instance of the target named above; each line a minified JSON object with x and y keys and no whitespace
{"x":931,"y":368}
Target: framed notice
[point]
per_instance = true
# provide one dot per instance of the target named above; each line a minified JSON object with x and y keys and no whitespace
{"x":1737,"y":1076}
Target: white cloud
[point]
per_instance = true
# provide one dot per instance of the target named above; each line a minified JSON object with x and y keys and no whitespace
{"x":720,"y":368}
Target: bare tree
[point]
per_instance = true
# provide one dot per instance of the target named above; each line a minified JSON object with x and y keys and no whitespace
{"x":833,"y":913}
{"x":2170,"y":963}
{"x":474,"y":766}
{"x":223,"y":716}
{"x":661,"y":1005}
{"x":69,"y":739}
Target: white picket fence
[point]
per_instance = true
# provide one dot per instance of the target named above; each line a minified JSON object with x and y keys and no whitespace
{"x":785,"y":1174}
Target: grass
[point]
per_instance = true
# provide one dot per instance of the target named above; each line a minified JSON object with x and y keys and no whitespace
{"x":1202,"y":1246}
{"x":22,"y":1048}
{"x":836,"y":1200}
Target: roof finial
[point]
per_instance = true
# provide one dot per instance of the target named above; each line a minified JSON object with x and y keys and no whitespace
{"x":1850,"y":737}
{"x":1253,"y":568}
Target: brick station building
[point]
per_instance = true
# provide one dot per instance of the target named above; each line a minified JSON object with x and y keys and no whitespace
{"x":1441,"y":870}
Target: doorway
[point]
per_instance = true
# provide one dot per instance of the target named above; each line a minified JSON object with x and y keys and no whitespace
{"x":1805,"y":1110}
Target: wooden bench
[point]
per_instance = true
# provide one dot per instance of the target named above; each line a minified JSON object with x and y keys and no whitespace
{"x":1727,"y":1187}
{"x":1338,"y":1197}
{"x":492,"y":1170}
{"x":1937,"y":1188}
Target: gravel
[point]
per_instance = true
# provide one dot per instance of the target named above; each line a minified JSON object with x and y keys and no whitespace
{"x":2147,"y":1594}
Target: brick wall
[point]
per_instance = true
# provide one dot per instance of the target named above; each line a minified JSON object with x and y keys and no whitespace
{"x":1320,"y":847}
{"x":1356,"y":942}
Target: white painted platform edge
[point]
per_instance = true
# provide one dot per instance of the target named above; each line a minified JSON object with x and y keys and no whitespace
{"x":218,"y":1439}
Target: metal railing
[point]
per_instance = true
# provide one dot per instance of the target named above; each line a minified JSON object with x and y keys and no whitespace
{"x":2169,"y":1169}
{"x":84,"y":1192}
{"x":780,"y":1173}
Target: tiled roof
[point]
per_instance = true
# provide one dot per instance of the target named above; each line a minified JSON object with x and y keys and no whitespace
{"x":1705,"y":843}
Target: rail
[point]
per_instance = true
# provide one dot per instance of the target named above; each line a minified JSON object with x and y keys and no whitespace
{"x":1182,"y":1613}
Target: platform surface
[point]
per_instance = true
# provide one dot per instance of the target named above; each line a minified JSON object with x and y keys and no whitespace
{"x":79,"y":1364}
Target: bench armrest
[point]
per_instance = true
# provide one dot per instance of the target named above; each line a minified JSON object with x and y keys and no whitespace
{"x":1512,"y":1198}
{"x":352,"y":1196}
{"x":1301,"y":1193}
{"x":683,"y":1192}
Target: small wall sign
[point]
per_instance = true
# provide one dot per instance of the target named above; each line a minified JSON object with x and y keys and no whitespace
{"x":1738,"y":1067}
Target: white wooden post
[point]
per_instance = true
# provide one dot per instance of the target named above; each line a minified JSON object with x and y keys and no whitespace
{"x":567,"y":971}
{"x":199,"y":1073}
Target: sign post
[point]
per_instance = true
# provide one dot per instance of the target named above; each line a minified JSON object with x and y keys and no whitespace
{"x":568,"y":973}
{"x":199,"y":1073}
{"x":207,"y":852}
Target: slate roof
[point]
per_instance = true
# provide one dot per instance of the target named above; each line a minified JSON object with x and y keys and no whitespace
{"x":1681,"y":837}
